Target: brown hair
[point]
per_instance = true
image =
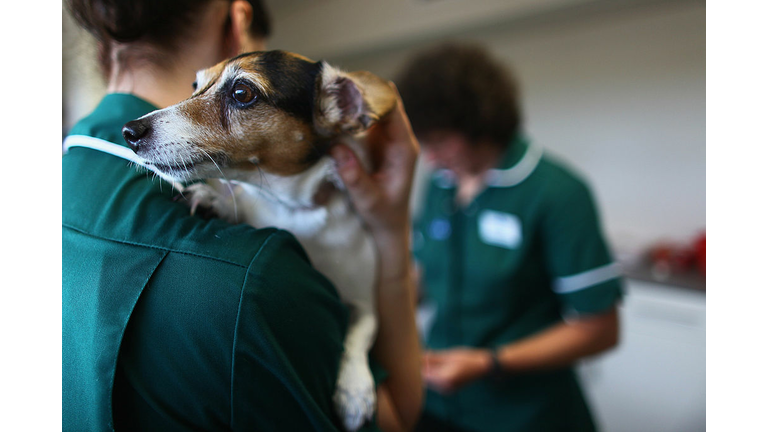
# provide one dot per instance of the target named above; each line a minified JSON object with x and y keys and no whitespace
{"x":460,"y":88}
{"x":159,"y":23}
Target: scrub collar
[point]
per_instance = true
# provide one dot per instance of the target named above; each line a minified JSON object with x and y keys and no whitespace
{"x":520,"y":160}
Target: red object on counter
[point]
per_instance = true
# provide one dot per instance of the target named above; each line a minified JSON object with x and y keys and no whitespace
{"x":675,"y":257}
{"x":701,"y":253}
{"x":669,"y":258}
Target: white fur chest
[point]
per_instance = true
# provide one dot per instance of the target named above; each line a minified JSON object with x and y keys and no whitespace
{"x":333,"y":236}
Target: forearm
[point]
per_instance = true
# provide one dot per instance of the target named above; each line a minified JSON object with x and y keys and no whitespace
{"x":395,"y":262}
{"x":388,"y":419}
{"x":561,"y":345}
{"x":397,"y":345}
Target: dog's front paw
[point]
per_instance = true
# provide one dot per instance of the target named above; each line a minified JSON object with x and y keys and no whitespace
{"x":355,"y":397}
{"x":207,"y":202}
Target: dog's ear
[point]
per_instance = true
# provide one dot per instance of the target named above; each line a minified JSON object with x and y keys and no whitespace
{"x":350,"y":102}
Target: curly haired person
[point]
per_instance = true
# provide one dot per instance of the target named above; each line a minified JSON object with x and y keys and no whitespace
{"x":511,"y":253}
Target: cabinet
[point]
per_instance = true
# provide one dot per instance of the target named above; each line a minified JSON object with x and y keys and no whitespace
{"x":655,"y":380}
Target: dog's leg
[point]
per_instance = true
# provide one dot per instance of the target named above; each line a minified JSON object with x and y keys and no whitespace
{"x":355,"y":397}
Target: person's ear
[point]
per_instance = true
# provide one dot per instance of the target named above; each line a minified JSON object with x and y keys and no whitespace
{"x":241,"y":15}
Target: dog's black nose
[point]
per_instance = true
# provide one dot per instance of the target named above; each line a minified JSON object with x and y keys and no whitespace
{"x":133,"y":132}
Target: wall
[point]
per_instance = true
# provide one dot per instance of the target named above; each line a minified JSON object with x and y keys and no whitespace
{"x":621,"y":96}
{"x":320,"y":28}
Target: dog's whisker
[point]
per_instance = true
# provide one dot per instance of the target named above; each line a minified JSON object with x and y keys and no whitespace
{"x":264,"y":179}
{"x":184,"y":163}
{"x":151,"y":175}
{"x":226,"y":180}
{"x":191,"y":160}
{"x":267,"y":191}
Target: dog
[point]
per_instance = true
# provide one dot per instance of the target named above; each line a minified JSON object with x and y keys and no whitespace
{"x":264,"y":122}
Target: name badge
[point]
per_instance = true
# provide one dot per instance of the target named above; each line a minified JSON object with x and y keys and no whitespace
{"x":500,"y":229}
{"x":440,"y":229}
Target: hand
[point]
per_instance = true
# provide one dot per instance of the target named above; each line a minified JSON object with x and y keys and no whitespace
{"x":381,"y":197}
{"x":448,"y":370}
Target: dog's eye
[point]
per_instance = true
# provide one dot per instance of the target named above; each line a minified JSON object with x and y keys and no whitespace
{"x":194,"y":86}
{"x":243,"y":93}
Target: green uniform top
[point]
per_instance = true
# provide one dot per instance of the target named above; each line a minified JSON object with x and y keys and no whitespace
{"x":174,"y":323}
{"x":525,"y":253}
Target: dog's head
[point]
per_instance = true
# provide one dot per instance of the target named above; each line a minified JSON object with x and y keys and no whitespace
{"x":272,"y":111}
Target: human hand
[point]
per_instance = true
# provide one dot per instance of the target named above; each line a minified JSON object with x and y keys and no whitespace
{"x":448,"y":370}
{"x":381,"y":197}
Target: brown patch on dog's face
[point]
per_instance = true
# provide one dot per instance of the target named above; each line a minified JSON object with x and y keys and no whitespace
{"x":260,"y":111}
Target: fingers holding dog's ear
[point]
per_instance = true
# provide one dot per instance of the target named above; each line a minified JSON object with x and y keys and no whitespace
{"x":381,"y":197}
{"x":401,"y":149}
{"x":360,"y":186}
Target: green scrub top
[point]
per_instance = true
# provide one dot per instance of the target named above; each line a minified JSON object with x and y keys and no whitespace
{"x":174,"y":323}
{"x":527,"y":252}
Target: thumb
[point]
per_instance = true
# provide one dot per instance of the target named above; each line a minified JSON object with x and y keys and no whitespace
{"x":361,"y":188}
{"x":427,"y":358}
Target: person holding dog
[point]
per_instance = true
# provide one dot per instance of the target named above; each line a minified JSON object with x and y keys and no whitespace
{"x":174,"y":322}
{"x":512,"y":258}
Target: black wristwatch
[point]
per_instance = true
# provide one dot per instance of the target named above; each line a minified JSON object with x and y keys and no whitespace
{"x":496,"y":370}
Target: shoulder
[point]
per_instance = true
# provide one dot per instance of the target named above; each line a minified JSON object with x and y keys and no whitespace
{"x":557,"y":174}
{"x":283,"y":285}
{"x":281,"y":274}
{"x":560,"y":184}
{"x":105,"y":198}
{"x":277,"y":246}
{"x":242,"y":245}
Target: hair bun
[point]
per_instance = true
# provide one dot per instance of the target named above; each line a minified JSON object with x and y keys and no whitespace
{"x":128,"y":21}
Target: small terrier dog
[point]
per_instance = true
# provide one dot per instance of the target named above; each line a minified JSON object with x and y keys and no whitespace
{"x":264,"y":121}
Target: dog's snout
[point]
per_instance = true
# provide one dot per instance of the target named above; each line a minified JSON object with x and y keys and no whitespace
{"x":133,"y":132}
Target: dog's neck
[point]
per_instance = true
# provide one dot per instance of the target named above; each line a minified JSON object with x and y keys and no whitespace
{"x":303,"y":191}
{"x":312,"y":188}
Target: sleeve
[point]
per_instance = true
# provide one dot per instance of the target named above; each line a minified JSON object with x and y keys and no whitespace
{"x":289,"y":340}
{"x":584,"y":274}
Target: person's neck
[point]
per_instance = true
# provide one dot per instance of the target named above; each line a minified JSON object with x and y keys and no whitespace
{"x":164,"y":86}
{"x":161,"y":88}
{"x":472,"y":182}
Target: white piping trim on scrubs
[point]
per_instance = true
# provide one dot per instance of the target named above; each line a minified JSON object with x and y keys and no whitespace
{"x":446,"y":179}
{"x":580,"y":281}
{"x":116,"y":150}
{"x":517,"y":173}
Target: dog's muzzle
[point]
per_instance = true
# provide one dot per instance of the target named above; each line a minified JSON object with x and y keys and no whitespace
{"x":135,"y":133}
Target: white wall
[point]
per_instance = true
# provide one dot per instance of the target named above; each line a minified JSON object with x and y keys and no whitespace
{"x":618,"y":94}
{"x":320,"y":28}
